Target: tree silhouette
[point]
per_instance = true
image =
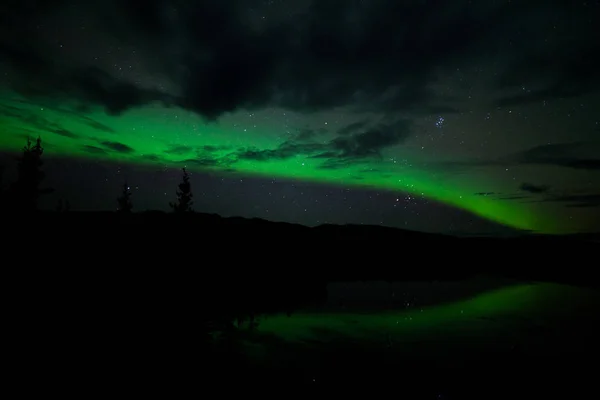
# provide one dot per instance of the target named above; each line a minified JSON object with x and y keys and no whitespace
{"x":184,"y":195}
{"x":124,"y":201}
{"x":25,"y":191}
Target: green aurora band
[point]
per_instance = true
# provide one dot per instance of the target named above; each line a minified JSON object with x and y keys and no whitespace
{"x":151,"y":133}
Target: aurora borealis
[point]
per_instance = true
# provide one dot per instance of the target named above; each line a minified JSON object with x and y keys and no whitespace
{"x":262,"y":91}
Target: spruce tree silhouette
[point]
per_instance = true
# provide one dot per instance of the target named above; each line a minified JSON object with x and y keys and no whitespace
{"x":124,"y":201}
{"x":184,"y":195}
{"x":25,"y":191}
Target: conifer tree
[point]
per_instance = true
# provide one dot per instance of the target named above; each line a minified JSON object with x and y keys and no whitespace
{"x":26,"y":191}
{"x":184,"y":195}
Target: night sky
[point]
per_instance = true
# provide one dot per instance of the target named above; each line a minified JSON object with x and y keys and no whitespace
{"x":446,"y":116}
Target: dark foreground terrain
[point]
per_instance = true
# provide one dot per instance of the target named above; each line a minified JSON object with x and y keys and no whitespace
{"x":210,"y":245}
{"x":150,"y":304}
{"x":526,"y":341}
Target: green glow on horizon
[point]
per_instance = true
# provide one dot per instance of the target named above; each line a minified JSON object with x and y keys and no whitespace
{"x":152,"y":131}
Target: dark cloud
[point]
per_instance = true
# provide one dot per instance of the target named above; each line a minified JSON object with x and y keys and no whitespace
{"x":372,"y":171}
{"x":107,"y":147}
{"x":39,"y":77}
{"x":82,"y":118}
{"x":576,"y":200}
{"x":284,"y":151}
{"x":352,"y":128}
{"x":93,"y":149}
{"x":179,"y":150}
{"x":535,"y":189}
{"x":559,"y":57}
{"x":371,"y":141}
{"x":28,"y":116}
{"x":515,"y":197}
{"x":208,"y":156}
{"x":309,"y":134}
{"x":341,"y":150}
{"x":118,"y":147}
{"x":221,"y":56}
{"x":202,"y":162}
{"x":589,"y":204}
{"x":64,"y":132}
{"x":203,"y":156}
{"x":589,"y":164}
{"x":562,"y":155}
{"x":485,"y":193}
{"x":8,"y":111}
{"x":151,"y":158}
{"x":213,"y":149}
{"x":579,"y":155}
{"x":97,"y":125}
{"x":98,"y":87}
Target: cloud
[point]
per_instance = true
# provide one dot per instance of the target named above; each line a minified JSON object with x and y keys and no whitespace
{"x":41,"y":78}
{"x":118,"y":147}
{"x":564,"y":74}
{"x":97,"y":125}
{"x":285,"y":151}
{"x":179,"y":150}
{"x":576,"y":155}
{"x":587,"y":164}
{"x":151,"y":158}
{"x":202,"y":162}
{"x":64,"y":133}
{"x":370,"y":142}
{"x":535,"y":189}
{"x":308,"y":134}
{"x":214,"y":149}
{"x":341,"y":150}
{"x":576,"y":200}
{"x":72,"y":113}
{"x":81,"y":117}
{"x":29,"y":117}
{"x":106,"y":147}
{"x":567,"y":155}
{"x":206,"y":156}
{"x":93,"y":149}
{"x":513,"y":197}
{"x":352,"y":128}
{"x":215,"y":57}
{"x":550,"y":56}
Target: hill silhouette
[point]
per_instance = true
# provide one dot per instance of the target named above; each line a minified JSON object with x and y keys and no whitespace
{"x":156,"y":240}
